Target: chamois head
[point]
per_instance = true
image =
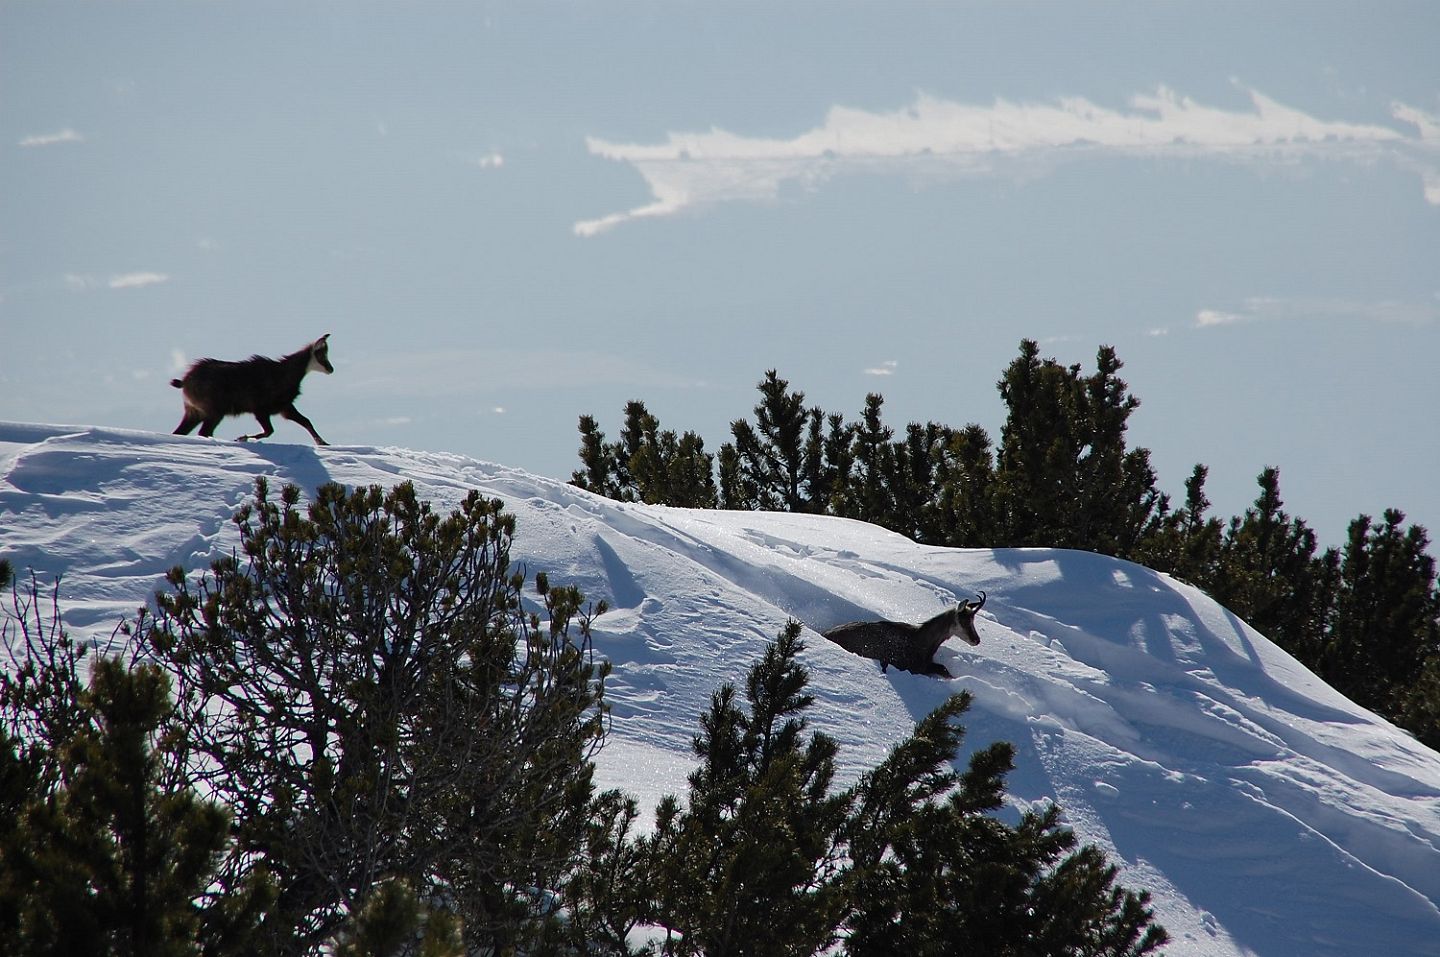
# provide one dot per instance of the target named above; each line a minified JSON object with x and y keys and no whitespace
{"x":965,"y":620}
{"x":320,"y":356}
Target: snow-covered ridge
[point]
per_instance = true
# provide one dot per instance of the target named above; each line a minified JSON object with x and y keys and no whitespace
{"x":1266,"y":813}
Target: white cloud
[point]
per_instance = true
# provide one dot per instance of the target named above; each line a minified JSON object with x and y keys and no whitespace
{"x":1429,"y":126}
{"x":1273,"y":309}
{"x":938,"y":137}
{"x":489,"y":161}
{"x":1431,"y":179}
{"x":81,"y":282}
{"x":1214,"y":317}
{"x":887,"y":367}
{"x":134,"y":280}
{"x":52,"y":139}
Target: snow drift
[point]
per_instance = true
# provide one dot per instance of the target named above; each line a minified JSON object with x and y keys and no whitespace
{"x":1265,"y":812}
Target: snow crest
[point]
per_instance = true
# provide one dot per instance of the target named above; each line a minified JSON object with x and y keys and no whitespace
{"x":1265,"y":812}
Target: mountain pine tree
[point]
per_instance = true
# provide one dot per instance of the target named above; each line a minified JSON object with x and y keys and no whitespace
{"x":606,"y":894}
{"x":750,"y":864}
{"x":1269,"y":573}
{"x":674,"y":471}
{"x":916,"y":481}
{"x":366,"y":692}
{"x":769,"y":458}
{"x":762,"y":858}
{"x":395,"y":923}
{"x":646,"y":464}
{"x":1419,"y":704}
{"x":100,"y":851}
{"x":113,"y":863}
{"x":830,"y":464}
{"x":1117,"y":485}
{"x":964,"y":509}
{"x":1386,"y":627}
{"x":1064,"y":477}
{"x":1185,"y":543}
{"x":600,"y":460}
{"x":936,"y":873}
{"x":1035,"y":471}
{"x":874,"y":465}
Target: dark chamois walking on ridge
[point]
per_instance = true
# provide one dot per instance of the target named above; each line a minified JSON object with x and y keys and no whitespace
{"x":257,"y":386}
{"x":909,"y":647}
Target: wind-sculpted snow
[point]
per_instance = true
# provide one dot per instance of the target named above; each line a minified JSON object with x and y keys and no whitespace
{"x":1267,"y":813}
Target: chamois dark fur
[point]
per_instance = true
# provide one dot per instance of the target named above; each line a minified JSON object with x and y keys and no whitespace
{"x":909,"y":647}
{"x":258,"y":386}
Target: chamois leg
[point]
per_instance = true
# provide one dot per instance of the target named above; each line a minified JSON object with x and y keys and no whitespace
{"x":187,"y":424}
{"x":293,"y":414}
{"x":208,"y":429}
{"x":264,"y":421}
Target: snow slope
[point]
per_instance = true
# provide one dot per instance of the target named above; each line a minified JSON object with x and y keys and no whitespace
{"x":1266,"y":813}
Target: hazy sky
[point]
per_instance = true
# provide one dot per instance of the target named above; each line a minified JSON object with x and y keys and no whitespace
{"x":510,"y":214}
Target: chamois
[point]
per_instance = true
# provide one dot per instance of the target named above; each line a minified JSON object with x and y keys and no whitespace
{"x":909,"y":647}
{"x":257,"y":386}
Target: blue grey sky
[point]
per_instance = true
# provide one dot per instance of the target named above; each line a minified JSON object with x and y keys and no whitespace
{"x":509,"y":214}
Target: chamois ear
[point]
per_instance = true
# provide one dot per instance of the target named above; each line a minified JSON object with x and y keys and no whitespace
{"x":322,"y":339}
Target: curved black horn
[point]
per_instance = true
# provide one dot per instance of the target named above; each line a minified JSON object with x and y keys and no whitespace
{"x":981,"y":603}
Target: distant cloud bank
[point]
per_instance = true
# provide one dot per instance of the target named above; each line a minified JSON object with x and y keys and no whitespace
{"x":1270,"y":309}
{"x":947,"y":138}
{"x":51,"y":139}
{"x":129,"y":280}
{"x":134,"y":280}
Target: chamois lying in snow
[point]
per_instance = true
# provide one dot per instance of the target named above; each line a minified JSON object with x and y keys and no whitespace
{"x":257,"y":386}
{"x":909,"y":647}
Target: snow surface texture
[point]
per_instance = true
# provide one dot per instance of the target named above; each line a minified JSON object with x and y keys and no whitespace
{"x":1265,"y":812}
